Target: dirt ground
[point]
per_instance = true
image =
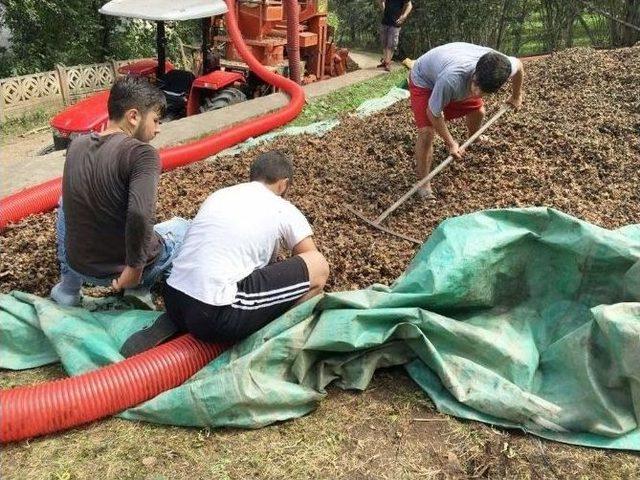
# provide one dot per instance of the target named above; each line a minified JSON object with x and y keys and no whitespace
{"x":29,"y":145}
{"x":20,"y":160}
{"x":575,"y":146}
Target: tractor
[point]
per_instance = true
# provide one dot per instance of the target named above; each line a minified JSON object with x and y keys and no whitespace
{"x":220,"y":77}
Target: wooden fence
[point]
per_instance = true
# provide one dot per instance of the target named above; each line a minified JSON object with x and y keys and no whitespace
{"x":54,"y":89}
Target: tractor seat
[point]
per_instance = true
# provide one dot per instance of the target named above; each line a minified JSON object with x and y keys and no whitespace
{"x":176,"y":85}
{"x":176,"y":82}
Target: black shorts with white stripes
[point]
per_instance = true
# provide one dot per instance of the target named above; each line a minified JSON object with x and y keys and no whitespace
{"x":262,"y":297}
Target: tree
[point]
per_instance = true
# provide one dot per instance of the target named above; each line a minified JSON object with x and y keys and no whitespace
{"x":46,"y":32}
{"x":73,"y":32}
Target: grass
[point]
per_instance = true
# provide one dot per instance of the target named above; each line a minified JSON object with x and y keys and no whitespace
{"x":20,"y":125}
{"x":532,"y":34}
{"x":389,"y":431}
{"x":348,"y":98}
{"x":347,"y":436}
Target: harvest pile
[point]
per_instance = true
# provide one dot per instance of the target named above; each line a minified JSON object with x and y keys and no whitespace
{"x":575,"y":146}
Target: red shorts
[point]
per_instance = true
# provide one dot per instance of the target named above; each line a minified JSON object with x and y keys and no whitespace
{"x":420,"y":102}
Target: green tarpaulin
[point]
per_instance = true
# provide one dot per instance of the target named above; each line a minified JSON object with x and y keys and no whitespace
{"x":523,"y":318}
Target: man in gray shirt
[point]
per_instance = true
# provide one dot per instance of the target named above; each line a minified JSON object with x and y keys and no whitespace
{"x":105,"y":229}
{"x":449,"y":82}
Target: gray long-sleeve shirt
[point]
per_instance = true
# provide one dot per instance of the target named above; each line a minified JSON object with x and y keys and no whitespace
{"x":109,"y":191}
{"x":447,"y":70}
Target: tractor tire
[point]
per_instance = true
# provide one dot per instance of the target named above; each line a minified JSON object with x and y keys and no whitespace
{"x":223,"y":98}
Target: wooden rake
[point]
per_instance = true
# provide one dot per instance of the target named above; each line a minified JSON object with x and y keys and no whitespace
{"x":377,"y":223}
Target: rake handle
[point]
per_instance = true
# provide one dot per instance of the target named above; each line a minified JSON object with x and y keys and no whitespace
{"x":441,"y":166}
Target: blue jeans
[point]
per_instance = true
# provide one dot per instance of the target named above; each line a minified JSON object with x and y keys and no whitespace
{"x":172,"y":233}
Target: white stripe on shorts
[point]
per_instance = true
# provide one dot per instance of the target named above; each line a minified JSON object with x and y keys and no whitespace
{"x":268,"y":293}
{"x":288,"y":298}
{"x":258,"y":301}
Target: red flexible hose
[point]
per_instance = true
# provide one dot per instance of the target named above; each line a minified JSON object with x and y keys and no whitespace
{"x":44,"y":197}
{"x":181,"y":155}
{"x":37,"y":410}
{"x":293,"y":39}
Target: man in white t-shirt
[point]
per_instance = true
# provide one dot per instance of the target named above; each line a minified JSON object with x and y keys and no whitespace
{"x":449,"y":82}
{"x":225,"y":283}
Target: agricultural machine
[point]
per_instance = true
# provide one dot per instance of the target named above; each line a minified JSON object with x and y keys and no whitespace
{"x":220,"y":77}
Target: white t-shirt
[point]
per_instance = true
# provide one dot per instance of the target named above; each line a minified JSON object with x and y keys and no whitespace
{"x":236,"y":230}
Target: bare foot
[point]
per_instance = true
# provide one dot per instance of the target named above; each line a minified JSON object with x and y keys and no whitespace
{"x":483,"y":139}
{"x":426,"y":192}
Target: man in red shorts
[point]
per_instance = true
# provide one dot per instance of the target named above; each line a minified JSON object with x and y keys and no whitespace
{"x":449,"y":82}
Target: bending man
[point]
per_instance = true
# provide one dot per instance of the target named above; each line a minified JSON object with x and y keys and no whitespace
{"x":449,"y":82}
{"x":225,"y":283}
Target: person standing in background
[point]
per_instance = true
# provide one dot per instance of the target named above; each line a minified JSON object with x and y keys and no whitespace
{"x":394,"y":14}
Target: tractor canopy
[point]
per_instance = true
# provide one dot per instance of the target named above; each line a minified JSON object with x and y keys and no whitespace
{"x":165,"y":10}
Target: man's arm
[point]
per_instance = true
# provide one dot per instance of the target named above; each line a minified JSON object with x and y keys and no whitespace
{"x":440,"y":126}
{"x":303,"y":246}
{"x":516,"y":87}
{"x":406,"y":10}
{"x":143,"y":192}
{"x":381,"y":3}
{"x":129,"y":278}
{"x":441,"y":95}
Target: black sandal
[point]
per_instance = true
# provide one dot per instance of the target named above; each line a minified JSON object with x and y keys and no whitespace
{"x":152,"y":336}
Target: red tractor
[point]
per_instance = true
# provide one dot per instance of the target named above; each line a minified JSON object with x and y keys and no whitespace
{"x":223,"y":78}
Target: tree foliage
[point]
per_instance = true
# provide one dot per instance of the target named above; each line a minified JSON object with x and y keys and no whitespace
{"x":513,"y":26}
{"x":72,"y":32}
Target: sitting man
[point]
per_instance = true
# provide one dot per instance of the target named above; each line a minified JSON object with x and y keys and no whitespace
{"x":449,"y":82}
{"x":104,"y":228}
{"x":225,"y":283}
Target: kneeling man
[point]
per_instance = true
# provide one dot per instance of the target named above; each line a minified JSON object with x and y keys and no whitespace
{"x":225,"y":283}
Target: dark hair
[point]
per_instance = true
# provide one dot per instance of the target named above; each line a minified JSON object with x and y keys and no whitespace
{"x":270,"y":167}
{"x":134,"y":92}
{"x":492,"y":71}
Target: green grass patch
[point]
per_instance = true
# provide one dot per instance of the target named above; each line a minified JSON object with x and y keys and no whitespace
{"x":348,"y":98}
{"x":20,"y":125}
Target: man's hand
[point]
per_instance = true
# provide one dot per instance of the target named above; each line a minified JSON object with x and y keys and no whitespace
{"x":515,"y":102}
{"x":400,"y":21}
{"x":455,"y":150}
{"x":129,"y":278}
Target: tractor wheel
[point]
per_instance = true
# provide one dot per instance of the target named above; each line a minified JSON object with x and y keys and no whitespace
{"x":223,"y":98}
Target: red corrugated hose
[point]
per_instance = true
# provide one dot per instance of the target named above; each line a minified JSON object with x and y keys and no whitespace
{"x":30,"y":411}
{"x":293,"y":40}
